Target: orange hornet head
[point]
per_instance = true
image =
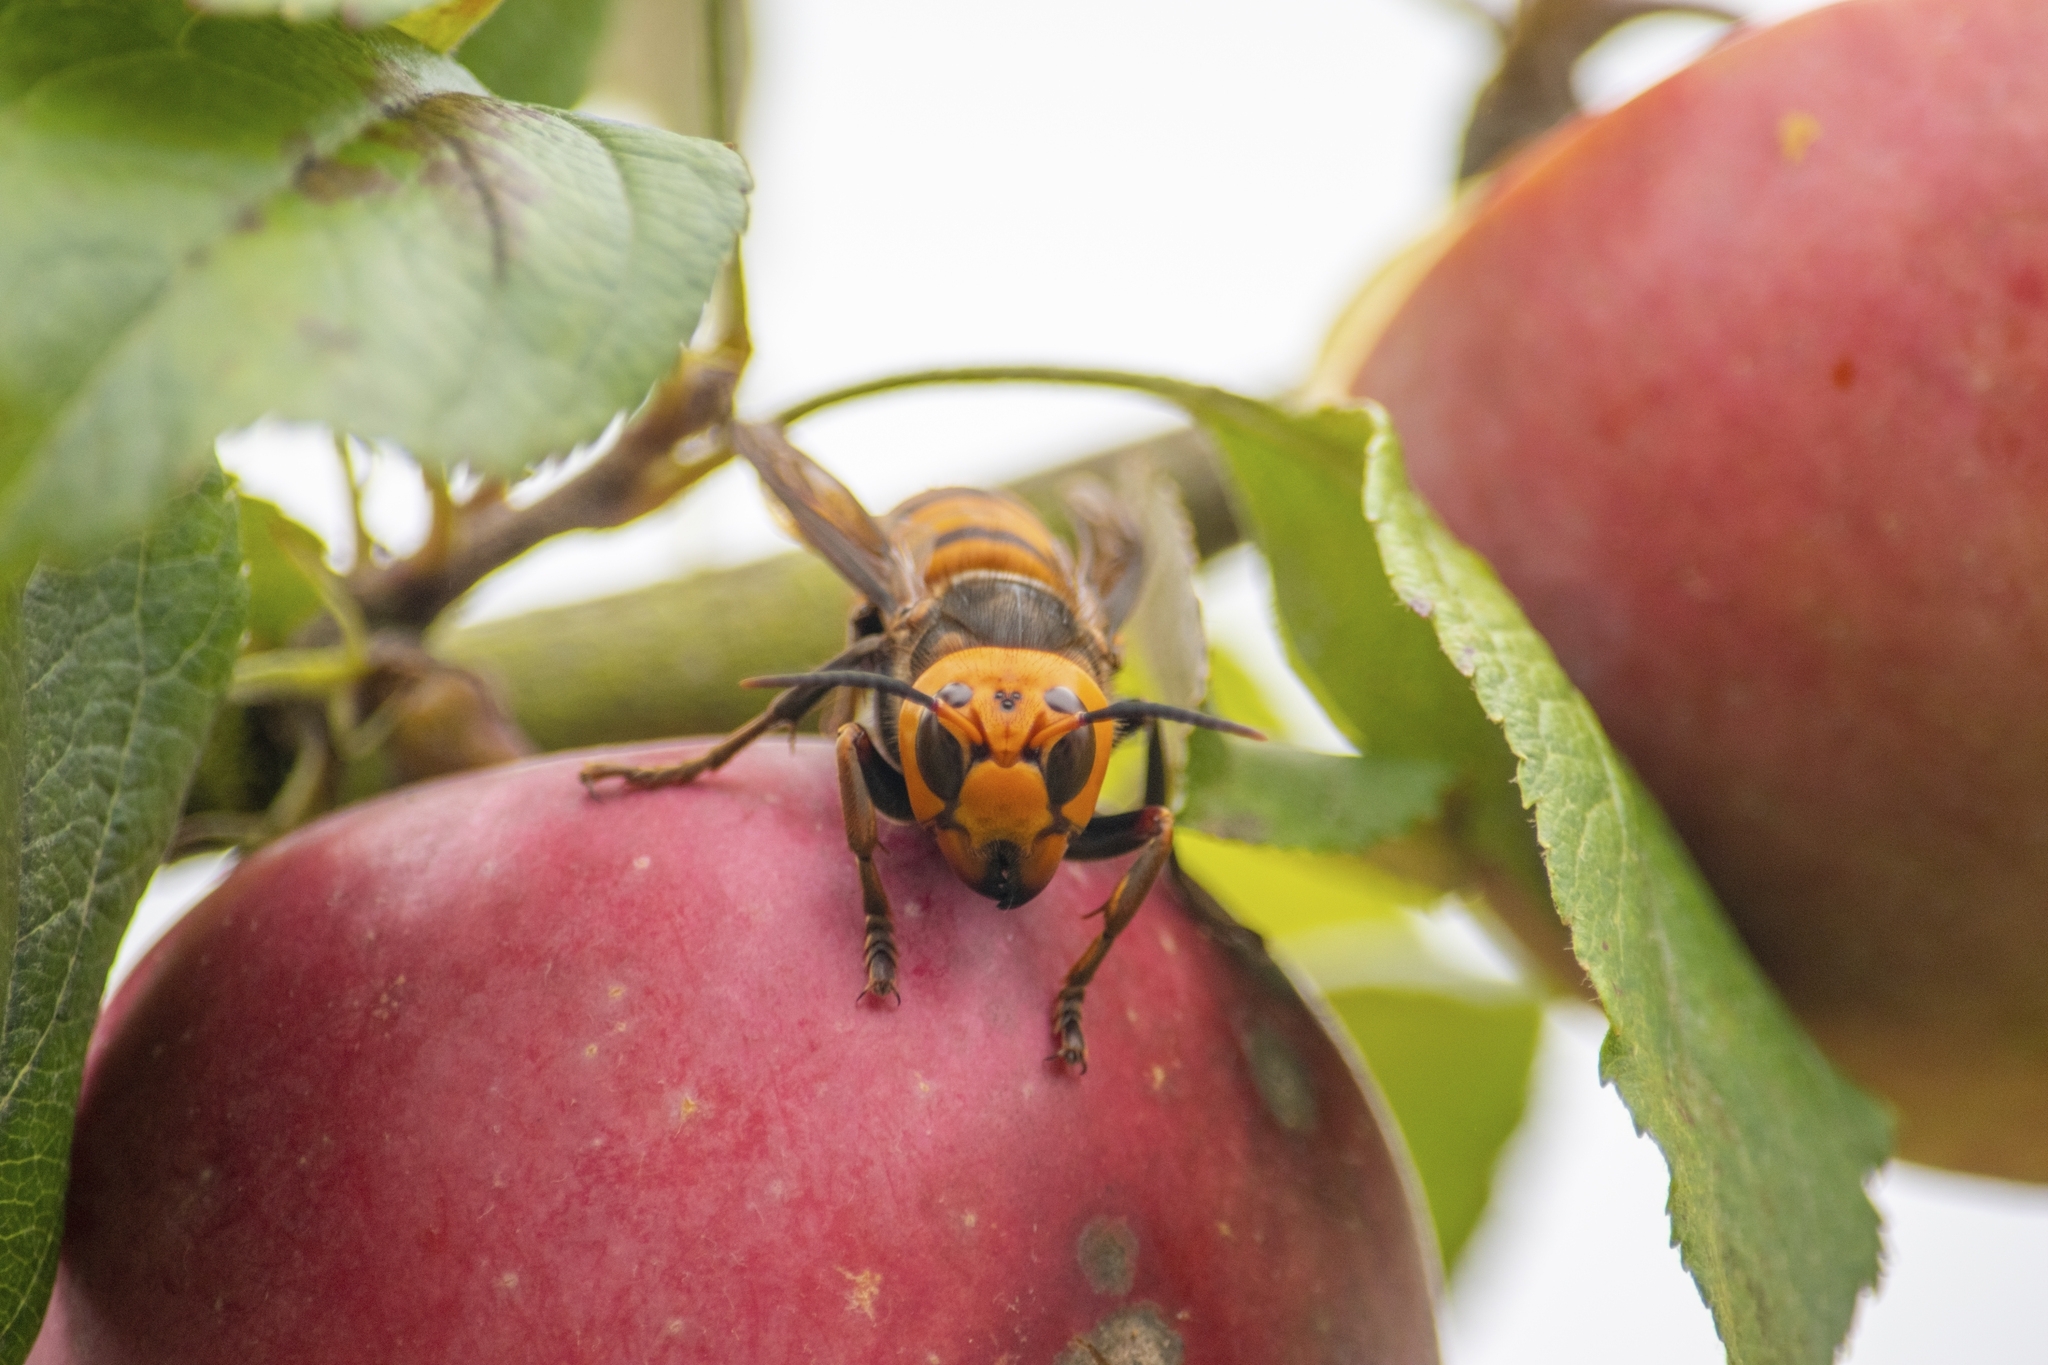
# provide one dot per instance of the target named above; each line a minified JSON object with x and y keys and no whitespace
{"x":1003,"y":770}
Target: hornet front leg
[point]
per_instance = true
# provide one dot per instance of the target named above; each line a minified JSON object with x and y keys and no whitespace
{"x":865,"y":778}
{"x":1150,"y":831}
{"x":788,"y":708}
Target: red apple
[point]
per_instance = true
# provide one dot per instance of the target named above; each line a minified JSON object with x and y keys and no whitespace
{"x":1743,"y":388}
{"x":488,"y":1071}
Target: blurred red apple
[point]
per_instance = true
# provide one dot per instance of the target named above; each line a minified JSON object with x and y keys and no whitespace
{"x":488,"y":1071}
{"x":1743,"y":388}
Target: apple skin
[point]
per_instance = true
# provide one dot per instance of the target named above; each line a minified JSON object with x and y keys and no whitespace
{"x":490,"y":1071}
{"x":1743,"y":389}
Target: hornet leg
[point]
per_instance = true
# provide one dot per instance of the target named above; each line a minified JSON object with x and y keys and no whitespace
{"x":787,"y":709}
{"x":1151,"y":832}
{"x":856,"y":755}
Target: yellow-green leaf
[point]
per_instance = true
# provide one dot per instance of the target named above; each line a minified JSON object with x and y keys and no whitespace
{"x":442,"y":26}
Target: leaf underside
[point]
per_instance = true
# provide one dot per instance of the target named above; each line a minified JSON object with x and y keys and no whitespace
{"x":122,"y":665}
{"x":212,"y":219}
{"x":1373,"y":665}
{"x":1289,"y":798}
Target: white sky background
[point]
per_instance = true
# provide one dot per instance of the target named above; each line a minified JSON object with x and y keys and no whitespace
{"x":1194,"y":187}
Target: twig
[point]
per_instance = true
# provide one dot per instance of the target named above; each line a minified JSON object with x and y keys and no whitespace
{"x":1531,"y":91}
{"x":636,"y":475}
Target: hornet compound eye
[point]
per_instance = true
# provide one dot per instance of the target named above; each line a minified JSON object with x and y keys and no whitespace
{"x":941,"y":760}
{"x":955,"y":694}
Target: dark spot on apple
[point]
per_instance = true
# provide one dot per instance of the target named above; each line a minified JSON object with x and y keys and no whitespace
{"x":1138,"y":1335}
{"x":1108,"y":1253}
{"x":1282,"y":1081}
{"x":1844,"y":373}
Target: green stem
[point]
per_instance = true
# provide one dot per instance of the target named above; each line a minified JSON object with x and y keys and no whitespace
{"x":1179,"y":392}
{"x":342,"y":452}
{"x":723,"y":38}
{"x":721,"y":82}
{"x":282,"y":674}
{"x":732,"y":343}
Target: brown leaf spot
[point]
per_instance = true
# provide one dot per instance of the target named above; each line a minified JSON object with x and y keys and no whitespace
{"x":326,"y":182}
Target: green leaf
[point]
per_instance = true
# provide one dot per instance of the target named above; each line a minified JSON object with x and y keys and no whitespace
{"x":1454,"y":1067}
{"x":1327,"y":803}
{"x":1284,"y":893}
{"x":1372,"y":665}
{"x":1234,"y":693}
{"x":1369,"y":661}
{"x":1768,"y":1146}
{"x":539,"y":51}
{"x":121,"y":667}
{"x":277,"y":551}
{"x":207,"y":220}
{"x":1167,"y":648}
